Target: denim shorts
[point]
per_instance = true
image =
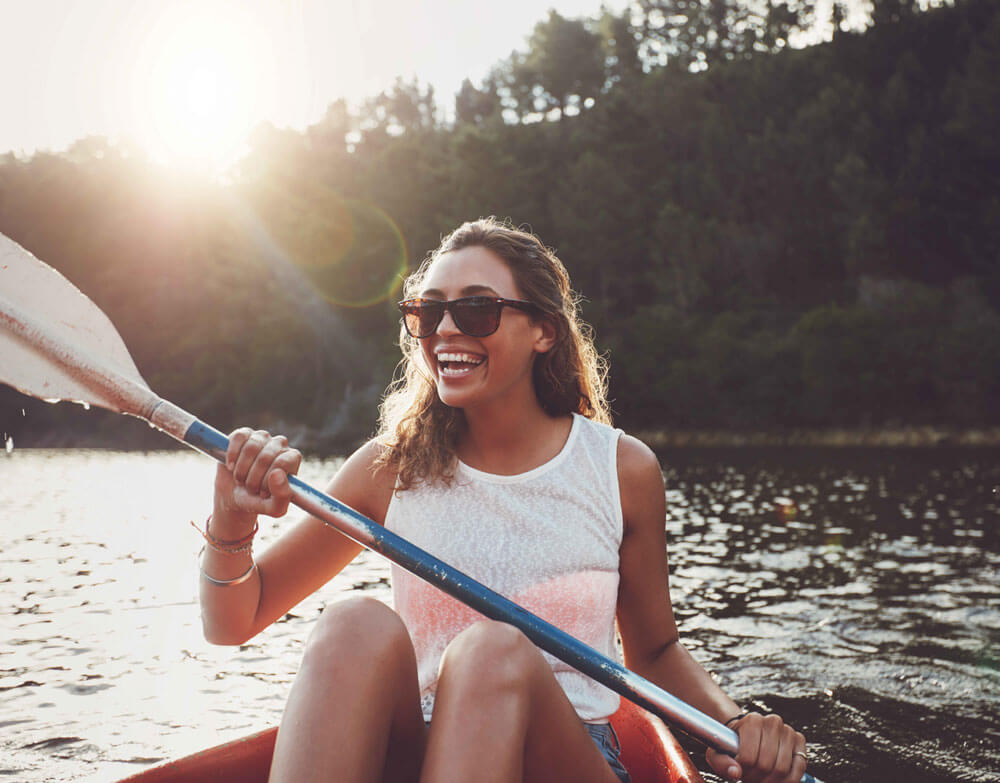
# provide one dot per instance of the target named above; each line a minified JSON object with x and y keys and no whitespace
{"x":607,"y":742}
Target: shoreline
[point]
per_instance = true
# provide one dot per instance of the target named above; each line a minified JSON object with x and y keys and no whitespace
{"x":887,"y":437}
{"x":147,"y":439}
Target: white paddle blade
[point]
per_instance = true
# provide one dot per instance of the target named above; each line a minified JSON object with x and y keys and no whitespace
{"x":54,"y":342}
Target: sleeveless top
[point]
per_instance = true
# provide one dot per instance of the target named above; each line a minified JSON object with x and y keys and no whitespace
{"x":547,"y":539}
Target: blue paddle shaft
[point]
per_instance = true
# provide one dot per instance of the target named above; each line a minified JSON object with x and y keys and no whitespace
{"x":474,"y":594}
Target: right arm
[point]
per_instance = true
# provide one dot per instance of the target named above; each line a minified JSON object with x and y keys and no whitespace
{"x":254,"y":480}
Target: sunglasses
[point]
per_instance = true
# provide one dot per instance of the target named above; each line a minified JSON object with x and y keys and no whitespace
{"x":475,"y":316}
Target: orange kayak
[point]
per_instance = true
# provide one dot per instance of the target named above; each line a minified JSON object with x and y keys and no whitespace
{"x":649,"y":751}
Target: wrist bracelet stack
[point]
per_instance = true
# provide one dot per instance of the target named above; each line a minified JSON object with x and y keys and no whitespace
{"x":227,"y":547}
{"x":234,"y":547}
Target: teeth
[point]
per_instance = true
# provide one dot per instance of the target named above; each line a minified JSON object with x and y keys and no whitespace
{"x":466,"y":358}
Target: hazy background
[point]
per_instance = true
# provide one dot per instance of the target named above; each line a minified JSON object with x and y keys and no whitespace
{"x":128,"y":68}
{"x":783,"y":218}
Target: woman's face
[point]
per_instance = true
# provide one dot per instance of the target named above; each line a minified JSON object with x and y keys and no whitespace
{"x":468,"y":370}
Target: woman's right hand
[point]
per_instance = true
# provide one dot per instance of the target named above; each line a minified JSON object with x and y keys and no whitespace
{"x":254,"y":479}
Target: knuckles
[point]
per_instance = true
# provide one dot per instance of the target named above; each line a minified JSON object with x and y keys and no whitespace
{"x":773,"y":722}
{"x":755,"y":731}
{"x":251,"y":450}
{"x":240,"y":435}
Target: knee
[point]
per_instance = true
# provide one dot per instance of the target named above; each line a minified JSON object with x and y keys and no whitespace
{"x":356,"y":629}
{"x":491,"y":655}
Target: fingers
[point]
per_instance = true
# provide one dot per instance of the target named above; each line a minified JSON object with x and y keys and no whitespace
{"x":770,"y":746}
{"x":237,"y":439}
{"x":750,"y":731}
{"x":249,"y":446}
{"x":275,"y":484}
{"x":260,"y":464}
{"x":770,"y":751}
{"x":800,"y":759}
{"x":723,"y":765}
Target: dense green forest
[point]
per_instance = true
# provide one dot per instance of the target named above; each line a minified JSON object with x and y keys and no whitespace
{"x":766,"y":237}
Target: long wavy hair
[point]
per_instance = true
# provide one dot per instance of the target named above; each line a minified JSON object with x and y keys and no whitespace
{"x":419,"y":433}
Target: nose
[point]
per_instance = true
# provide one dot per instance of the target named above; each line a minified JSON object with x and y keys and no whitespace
{"x":447,"y":325}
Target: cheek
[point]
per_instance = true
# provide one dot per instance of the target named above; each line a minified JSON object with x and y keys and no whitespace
{"x":516,"y":355}
{"x":425,"y":358}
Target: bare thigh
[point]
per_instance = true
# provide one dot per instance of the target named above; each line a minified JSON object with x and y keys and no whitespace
{"x":354,"y":709}
{"x":500,"y":715}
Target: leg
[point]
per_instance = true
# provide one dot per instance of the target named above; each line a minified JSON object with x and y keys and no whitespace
{"x":500,"y":715}
{"x":354,"y":709}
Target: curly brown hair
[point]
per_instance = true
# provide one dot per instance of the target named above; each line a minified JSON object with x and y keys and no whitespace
{"x":418,"y":432}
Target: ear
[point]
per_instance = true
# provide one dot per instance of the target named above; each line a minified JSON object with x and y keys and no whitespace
{"x":546,"y":335}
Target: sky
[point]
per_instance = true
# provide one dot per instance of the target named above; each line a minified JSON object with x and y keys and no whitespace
{"x":190,"y":79}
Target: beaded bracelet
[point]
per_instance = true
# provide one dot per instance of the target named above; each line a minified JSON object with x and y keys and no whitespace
{"x":244,"y":544}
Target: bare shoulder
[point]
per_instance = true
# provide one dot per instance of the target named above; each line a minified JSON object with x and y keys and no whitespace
{"x":640,"y":481}
{"x":365,"y":458}
{"x":637,"y":464}
{"x":363,"y":484}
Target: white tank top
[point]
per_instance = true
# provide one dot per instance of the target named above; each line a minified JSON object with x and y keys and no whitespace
{"x":547,"y":539}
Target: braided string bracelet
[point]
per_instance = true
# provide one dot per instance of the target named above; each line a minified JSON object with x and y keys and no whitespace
{"x":234,"y":547}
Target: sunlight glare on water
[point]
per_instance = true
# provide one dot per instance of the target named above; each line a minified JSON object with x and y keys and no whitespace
{"x":857,"y":593}
{"x":104,"y":665}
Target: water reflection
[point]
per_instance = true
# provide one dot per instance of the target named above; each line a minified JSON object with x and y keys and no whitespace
{"x":856,"y":592}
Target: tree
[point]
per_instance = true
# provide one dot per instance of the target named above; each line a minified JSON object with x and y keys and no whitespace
{"x":563,"y":67}
{"x":695,"y":34}
{"x":403,"y":107}
{"x":769,"y":236}
{"x":892,"y":11}
{"x":330,"y":133}
{"x":477,"y":105}
{"x":621,"y":50}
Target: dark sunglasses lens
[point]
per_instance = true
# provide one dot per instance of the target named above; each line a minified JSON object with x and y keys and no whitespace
{"x":422,"y":319}
{"x":477,"y":318}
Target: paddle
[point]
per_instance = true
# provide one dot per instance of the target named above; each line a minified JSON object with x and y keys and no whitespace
{"x":56,"y":344}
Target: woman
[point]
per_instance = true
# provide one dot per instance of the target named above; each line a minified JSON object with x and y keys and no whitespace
{"x":495,"y":454}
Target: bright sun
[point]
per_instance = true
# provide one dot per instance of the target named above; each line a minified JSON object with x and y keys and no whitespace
{"x":195,"y":88}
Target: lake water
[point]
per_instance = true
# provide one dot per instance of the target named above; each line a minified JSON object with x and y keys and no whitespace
{"x":857,"y":592}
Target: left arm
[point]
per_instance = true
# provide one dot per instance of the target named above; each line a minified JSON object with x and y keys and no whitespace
{"x":649,"y":632}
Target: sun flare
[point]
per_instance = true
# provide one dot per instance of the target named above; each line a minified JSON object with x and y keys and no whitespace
{"x":197,"y":88}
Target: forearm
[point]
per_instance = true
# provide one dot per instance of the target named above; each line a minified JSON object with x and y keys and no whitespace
{"x":676,"y":671}
{"x":228,"y":610}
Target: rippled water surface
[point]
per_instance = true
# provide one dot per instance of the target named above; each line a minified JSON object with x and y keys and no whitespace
{"x":856,"y":592}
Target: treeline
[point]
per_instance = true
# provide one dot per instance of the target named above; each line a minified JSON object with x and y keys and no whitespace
{"x":766,"y":237}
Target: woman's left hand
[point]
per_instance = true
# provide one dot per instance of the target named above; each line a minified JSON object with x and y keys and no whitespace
{"x":770,"y":752}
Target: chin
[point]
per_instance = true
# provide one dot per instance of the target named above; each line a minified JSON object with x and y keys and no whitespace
{"x":451,"y":398}
{"x":456,"y":395}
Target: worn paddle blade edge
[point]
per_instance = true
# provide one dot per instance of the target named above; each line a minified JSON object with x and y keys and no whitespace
{"x":54,"y":341}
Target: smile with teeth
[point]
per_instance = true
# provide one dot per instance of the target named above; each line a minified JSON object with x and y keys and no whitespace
{"x":454,"y":364}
